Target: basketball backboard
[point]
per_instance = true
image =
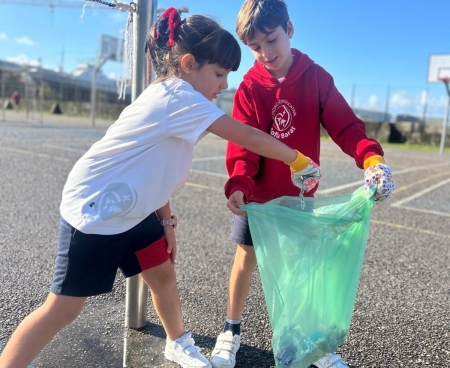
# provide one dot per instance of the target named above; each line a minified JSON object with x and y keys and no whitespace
{"x":111,"y":48}
{"x":438,"y":68}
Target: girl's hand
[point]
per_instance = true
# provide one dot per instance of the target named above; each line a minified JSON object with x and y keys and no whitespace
{"x":381,"y":176}
{"x":307,"y":178}
{"x":234,"y":201}
{"x":169,"y":232}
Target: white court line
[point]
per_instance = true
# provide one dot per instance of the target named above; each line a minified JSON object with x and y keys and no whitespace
{"x":208,"y":158}
{"x":65,"y":148}
{"x":340,"y":187}
{"x":43,"y":155}
{"x":419,"y":194}
{"x":397,"y":172}
{"x":437,"y":213}
{"x":209,"y":173}
{"x":410,"y":228}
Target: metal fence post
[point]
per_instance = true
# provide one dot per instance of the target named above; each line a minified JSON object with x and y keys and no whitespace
{"x":445,"y":122}
{"x":137,"y":291}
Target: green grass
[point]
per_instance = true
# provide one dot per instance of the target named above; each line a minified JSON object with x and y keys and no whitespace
{"x":413,"y":146}
{"x":405,"y":146}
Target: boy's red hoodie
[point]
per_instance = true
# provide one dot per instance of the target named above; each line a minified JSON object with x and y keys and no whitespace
{"x":291,"y":111}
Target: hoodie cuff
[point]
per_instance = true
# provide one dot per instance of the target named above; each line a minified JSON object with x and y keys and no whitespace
{"x":242,"y":183}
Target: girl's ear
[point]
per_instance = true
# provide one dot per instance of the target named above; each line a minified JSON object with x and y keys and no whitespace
{"x":188,"y":63}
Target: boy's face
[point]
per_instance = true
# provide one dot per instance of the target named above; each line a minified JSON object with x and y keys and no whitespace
{"x":273,"y":50}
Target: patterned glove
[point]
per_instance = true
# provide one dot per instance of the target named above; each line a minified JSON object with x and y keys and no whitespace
{"x":380,"y":175}
{"x":305,"y":173}
{"x":307,"y":178}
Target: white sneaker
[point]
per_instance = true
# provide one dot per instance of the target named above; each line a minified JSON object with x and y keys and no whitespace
{"x":330,"y":361}
{"x":184,"y":352}
{"x":224,"y":353}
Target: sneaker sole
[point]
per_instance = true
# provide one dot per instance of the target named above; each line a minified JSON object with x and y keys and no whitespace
{"x":218,"y":365}
{"x":174,"y":359}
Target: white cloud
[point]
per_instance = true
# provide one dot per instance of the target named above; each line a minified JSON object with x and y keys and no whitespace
{"x":118,"y":18}
{"x":113,"y":75}
{"x":24,"y":40}
{"x":373,"y":101}
{"x":402,"y":100}
{"x":3,"y":36}
{"x":436,"y":105}
{"x":23,"y":60}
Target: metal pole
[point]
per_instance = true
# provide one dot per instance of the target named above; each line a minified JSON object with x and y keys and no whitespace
{"x":386,"y":109}
{"x":137,"y":291}
{"x":95,"y":70}
{"x":93,"y":95}
{"x":3,"y":91}
{"x":424,"y":115}
{"x":445,"y":122}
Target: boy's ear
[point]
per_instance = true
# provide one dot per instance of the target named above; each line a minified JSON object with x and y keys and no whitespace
{"x":289,"y":29}
{"x":188,"y":63}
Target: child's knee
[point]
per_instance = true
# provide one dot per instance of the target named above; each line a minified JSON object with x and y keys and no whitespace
{"x":245,"y":256}
{"x":160,"y":278}
{"x":63,"y":308}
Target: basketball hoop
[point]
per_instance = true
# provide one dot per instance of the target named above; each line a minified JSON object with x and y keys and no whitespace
{"x":439,"y":71}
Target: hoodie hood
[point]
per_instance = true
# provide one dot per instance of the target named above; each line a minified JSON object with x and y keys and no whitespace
{"x":258,"y":74}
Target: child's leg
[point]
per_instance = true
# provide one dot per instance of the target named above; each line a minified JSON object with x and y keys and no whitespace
{"x":228,"y":342}
{"x":240,"y":280}
{"x":162,"y":282}
{"x":39,"y":328}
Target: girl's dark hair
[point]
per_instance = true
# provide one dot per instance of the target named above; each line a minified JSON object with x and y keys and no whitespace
{"x":170,"y":39}
{"x":260,"y":15}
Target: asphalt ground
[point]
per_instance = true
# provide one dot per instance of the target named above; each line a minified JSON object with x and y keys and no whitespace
{"x":401,"y":316}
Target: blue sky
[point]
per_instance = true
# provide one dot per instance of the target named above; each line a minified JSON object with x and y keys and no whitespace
{"x":377,"y":51}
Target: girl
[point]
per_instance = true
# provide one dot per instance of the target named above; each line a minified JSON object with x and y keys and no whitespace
{"x":115,"y":210}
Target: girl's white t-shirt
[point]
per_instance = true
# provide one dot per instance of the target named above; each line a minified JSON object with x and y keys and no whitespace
{"x":144,"y":157}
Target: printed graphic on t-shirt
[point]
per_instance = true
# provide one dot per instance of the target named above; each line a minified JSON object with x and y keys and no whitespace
{"x":282,"y":115}
{"x":115,"y":201}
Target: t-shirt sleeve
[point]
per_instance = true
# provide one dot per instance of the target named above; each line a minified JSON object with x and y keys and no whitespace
{"x":189,"y":114}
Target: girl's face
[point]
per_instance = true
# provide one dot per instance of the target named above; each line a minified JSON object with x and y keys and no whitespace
{"x":209,"y":80}
{"x":273,"y":50}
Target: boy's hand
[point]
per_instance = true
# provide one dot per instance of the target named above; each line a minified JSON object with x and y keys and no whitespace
{"x":234,"y":201}
{"x":381,"y":176}
{"x":307,"y":178}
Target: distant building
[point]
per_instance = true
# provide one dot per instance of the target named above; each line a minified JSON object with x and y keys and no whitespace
{"x":74,"y":86}
{"x":225,"y":100}
{"x":377,"y":116}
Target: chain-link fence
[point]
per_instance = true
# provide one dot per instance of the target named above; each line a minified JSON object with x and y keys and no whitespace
{"x":43,"y":91}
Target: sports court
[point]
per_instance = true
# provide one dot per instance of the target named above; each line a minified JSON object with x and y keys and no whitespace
{"x":401,"y":313}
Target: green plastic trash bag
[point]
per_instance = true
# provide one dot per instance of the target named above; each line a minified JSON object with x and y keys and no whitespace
{"x":310,"y":253}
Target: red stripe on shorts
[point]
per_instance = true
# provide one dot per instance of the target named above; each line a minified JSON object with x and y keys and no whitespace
{"x":153,"y":255}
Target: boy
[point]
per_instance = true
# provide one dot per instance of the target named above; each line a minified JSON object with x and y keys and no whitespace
{"x":287,"y":95}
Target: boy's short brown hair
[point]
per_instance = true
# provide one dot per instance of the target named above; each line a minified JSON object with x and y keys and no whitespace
{"x":260,"y":15}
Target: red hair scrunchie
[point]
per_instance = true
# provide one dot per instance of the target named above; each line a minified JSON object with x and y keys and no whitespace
{"x":170,"y":19}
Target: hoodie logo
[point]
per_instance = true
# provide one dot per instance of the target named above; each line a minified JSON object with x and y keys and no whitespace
{"x":282,"y":115}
